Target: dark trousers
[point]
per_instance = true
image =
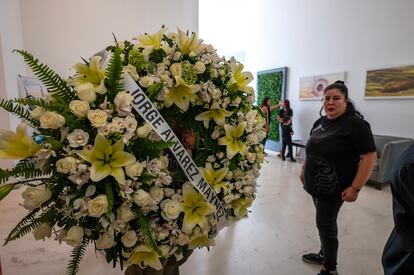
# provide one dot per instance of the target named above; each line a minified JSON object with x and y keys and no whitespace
{"x":326,"y":215}
{"x":398,"y":256}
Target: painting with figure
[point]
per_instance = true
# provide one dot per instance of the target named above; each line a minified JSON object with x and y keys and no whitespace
{"x":312,"y":87}
{"x":397,"y":82}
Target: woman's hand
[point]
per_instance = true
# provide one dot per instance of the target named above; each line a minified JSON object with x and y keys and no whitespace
{"x":350,"y":194}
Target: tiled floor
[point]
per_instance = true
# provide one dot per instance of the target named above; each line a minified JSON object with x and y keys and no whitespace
{"x":270,"y":242}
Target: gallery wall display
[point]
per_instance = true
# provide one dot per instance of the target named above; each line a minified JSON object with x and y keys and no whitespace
{"x":312,"y":87}
{"x":388,"y":83}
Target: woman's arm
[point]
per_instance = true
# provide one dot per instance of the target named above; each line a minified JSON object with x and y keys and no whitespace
{"x":272,"y":108}
{"x":365,"y":168}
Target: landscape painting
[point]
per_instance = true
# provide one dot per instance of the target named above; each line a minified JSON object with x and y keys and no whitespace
{"x":397,"y":82}
{"x":312,"y":87}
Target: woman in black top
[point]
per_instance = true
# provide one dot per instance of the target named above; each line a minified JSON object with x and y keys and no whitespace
{"x":285,"y":119}
{"x":340,"y":156}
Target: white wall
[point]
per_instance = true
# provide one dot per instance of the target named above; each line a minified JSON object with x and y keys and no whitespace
{"x":318,"y":37}
{"x":11,"y":64}
{"x":59,"y":32}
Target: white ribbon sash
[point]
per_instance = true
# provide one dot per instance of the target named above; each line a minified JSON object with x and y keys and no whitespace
{"x":143,"y":105}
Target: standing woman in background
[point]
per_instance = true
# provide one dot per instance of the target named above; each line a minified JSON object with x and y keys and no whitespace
{"x":340,"y":156}
{"x":267,"y":109}
{"x":285,"y":119}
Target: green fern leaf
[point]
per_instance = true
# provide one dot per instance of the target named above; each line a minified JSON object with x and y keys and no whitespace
{"x":5,"y":189}
{"x":24,"y":230}
{"x":109,"y":196}
{"x":19,"y":111}
{"x":56,"y":105}
{"x":32,"y":224}
{"x":142,"y":223}
{"x":53,"y":82}
{"x":114,"y":75}
{"x":25,"y":168}
{"x":26,"y":220}
{"x":76,"y":256}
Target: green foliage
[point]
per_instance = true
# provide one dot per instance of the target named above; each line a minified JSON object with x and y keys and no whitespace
{"x":142,"y":224}
{"x":144,"y":149}
{"x":270,"y":84}
{"x":76,"y":256}
{"x":113,"y":73}
{"x":56,"y":105}
{"x":26,"y":220}
{"x":53,"y":82}
{"x":19,"y":111}
{"x":5,"y":190}
{"x":25,"y":168}
{"x":109,"y":196}
{"x":136,"y":59}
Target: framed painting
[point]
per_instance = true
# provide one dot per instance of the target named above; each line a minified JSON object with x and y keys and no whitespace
{"x":388,"y":83}
{"x":312,"y":87}
{"x":30,"y":87}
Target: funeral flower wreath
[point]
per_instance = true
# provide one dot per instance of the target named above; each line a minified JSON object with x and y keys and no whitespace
{"x":97,"y":170}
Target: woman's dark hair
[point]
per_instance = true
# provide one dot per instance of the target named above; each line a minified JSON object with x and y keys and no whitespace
{"x":350,"y":107}
{"x":264,"y":102}
{"x":286,"y":103}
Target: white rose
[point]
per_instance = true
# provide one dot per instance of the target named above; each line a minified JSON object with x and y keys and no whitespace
{"x":134,"y":170}
{"x":105,"y":241}
{"x":154,"y":166}
{"x":51,"y":120}
{"x":183,"y":239}
{"x":79,"y":108}
{"x":78,"y":138}
{"x":142,"y":198}
{"x":251,"y":157}
{"x":176,"y":70}
{"x":123,"y":103}
{"x":37,"y":112}
{"x":74,"y":236}
{"x":86,"y":92}
{"x":130,"y":124}
{"x":168,"y":192}
{"x":251,"y":99}
{"x":143,"y":131}
{"x":252,"y":139}
{"x":156,"y":193}
{"x":165,"y":250}
{"x":199,"y":67}
{"x":129,"y":239}
{"x":42,"y":231}
{"x":177,"y":56}
{"x":66,"y":165}
{"x":215,"y":134}
{"x":97,"y":117}
{"x":125,"y":214}
{"x":164,"y":162}
{"x":98,"y":206}
{"x":170,"y":210}
{"x":146,"y":81}
{"x":248,"y":189}
{"x":229,"y":175}
{"x":34,"y":197}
